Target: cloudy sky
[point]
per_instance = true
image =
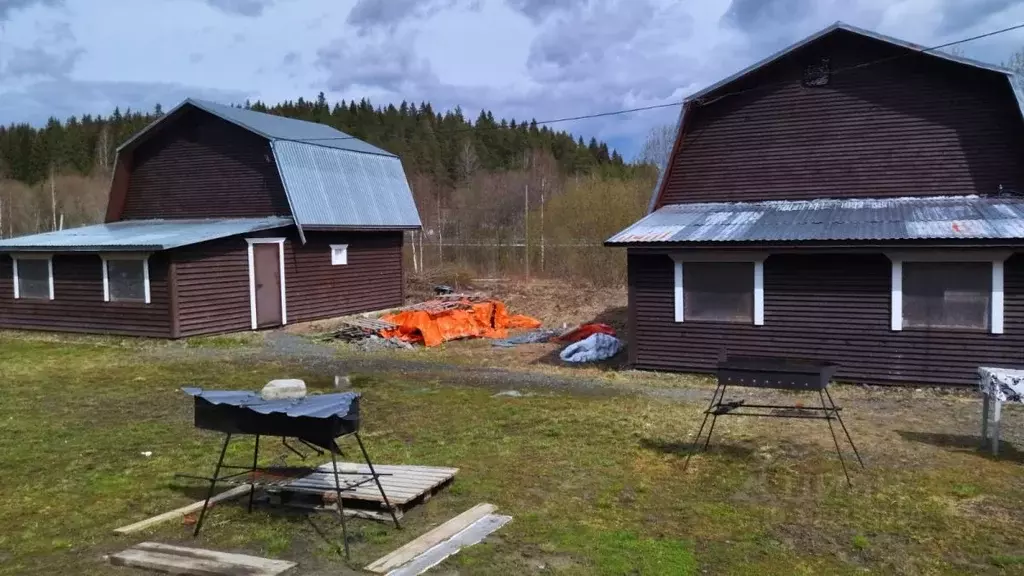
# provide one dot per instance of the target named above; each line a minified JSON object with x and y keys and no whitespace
{"x":520,"y":58}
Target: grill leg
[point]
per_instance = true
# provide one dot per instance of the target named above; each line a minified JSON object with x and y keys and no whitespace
{"x":377,"y":480}
{"x":213,"y":485}
{"x":252,"y":479}
{"x":828,"y":418}
{"x":700,"y":431}
{"x":845,"y":431}
{"x":341,"y":508}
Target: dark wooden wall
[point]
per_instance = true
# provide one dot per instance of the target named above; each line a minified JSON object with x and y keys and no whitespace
{"x":78,"y":304}
{"x":212,"y":280}
{"x":200,"y":166}
{"x":914,"y":125}
{"x":832,"y":307}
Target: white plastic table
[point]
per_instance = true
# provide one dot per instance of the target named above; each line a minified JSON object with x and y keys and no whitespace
{"x":998,"y":385}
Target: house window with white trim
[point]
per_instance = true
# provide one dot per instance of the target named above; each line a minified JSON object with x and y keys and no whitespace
{"x":729,"y":292}
{"x":339,"y":254}
{"x":126,"y":279}
{"x":962,"y":292}
{"x":33,"y":277}
{"x":947,"y":295}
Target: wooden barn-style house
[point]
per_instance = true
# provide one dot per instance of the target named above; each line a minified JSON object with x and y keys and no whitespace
{"x":853,"y":198}
{"x":221,"y":219}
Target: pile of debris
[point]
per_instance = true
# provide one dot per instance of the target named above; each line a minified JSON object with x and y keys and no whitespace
{"x":452,"y":316}
{"x":431,"y":323}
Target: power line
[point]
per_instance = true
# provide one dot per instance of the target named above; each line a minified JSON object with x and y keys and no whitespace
{"x":862,"y":65}
{"x":703,"y":103}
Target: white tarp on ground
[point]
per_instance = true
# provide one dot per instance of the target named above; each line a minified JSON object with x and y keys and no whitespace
{"x":592,"y":349}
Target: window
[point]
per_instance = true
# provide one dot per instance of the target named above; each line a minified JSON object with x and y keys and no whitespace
{"x":339,"y":254}
{"x":126,"y":279}
{"x":715,"y":291}
{"x":947,"y":295}
{"x":948,"y":291}
{"x":33,"y":277}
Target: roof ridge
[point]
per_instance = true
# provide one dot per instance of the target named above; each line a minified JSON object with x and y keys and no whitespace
{"x":840,"y":25}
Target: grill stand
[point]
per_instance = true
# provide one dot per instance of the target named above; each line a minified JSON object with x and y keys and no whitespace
{"x":827,"y":412}
{"x":254,"y":468}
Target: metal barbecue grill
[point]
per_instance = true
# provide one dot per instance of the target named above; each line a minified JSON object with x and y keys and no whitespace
{"x":794,"y":375}
{"x":316,"y":421}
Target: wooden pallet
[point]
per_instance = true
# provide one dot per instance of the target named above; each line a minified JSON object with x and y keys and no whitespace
{"x":403,"y":484}
{"x":358,"y":328}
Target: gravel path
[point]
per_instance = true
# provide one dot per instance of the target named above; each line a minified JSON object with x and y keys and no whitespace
{"x":328,"y":361}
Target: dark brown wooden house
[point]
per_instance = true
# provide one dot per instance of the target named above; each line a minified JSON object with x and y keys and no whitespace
{"x":852,"y":198}
{"x":219,"y":220}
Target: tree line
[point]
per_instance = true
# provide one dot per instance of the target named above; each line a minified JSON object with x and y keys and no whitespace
{"x":442,"y":145}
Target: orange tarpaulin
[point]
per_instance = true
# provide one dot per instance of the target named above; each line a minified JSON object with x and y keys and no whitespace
{"x":484,"y":319}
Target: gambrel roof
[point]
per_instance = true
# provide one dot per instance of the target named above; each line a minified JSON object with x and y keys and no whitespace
{"x":332,"y":180}
{"x":698,"y":97}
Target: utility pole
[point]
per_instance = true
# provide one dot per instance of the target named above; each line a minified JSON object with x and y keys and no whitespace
{"x":526,"y":227}
{"x":53,"y":199}
{"x":542,"y":182}
{"x":440,"y":233}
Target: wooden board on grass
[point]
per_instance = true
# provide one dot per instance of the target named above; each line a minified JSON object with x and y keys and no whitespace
{"x":430,"y":539}
{"x":180,"y":512}
{"x":196,"y":561}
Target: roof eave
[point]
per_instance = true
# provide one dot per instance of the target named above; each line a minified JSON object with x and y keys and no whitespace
{"x":362,"y":228}
{"x":57,"y":249}
{"x":924,"y":243}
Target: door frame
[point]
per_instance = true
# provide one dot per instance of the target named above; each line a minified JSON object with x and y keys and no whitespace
{"x":252,"y":277}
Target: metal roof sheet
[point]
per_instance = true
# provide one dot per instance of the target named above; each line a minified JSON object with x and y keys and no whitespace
{"x":140,"y":235}
{"x":907,"y":218}
{"x":331,"y":187}
{"x":272,"y":127}
{"x":314,"y":406}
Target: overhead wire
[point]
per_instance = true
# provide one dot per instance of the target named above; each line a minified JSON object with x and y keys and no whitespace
{"x":764,"y":86}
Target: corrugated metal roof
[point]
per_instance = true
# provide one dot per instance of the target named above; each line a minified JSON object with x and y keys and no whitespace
{"x":272,"y":127}
{"x":140,"y":235}
{"x":908,"y":218}
{"x":314,"y":406}
{"x":331,"y":179}
{"x":331,"y":187}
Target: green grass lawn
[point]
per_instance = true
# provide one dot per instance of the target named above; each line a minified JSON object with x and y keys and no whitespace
{"x":594,"y":482}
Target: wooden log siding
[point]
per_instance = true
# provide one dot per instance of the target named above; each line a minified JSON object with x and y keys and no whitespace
{"x":78,"y":304}
{"x":913,"y":126}
{"x":213,"y":280}
{"x":212,"y":284}
{"x":203,"y":167}
{"x":372,"y":279}
{"x":830,"y":307}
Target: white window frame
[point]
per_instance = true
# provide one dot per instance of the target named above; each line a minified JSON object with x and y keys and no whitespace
{"x":144,"y":256}
{"x":252,"y":278}
{"x":757,"y":259}
{"x":31,"y":256}
{"x":341,"y":250}
{"x":997,"y":258}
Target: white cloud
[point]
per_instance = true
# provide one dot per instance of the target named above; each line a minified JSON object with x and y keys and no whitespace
{"x":522,"y":58}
